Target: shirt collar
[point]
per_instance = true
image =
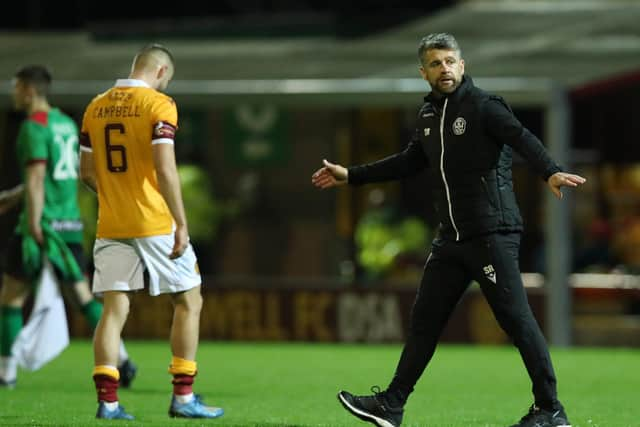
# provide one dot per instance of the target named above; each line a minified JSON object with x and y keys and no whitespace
{"x":131,"y":83}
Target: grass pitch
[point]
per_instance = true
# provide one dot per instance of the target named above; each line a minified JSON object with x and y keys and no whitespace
{"x":269,"y":385}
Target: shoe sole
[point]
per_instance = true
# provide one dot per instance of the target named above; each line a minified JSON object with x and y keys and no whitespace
{"x":364,"y":416}
{"x":101,"y":417}
{"x":178,"y":415}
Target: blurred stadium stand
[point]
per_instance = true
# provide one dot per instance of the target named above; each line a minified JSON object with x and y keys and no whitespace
{"x":573,"y":41}
{"x":338,"y":77}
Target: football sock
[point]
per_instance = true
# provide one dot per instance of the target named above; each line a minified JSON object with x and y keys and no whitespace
{"x":8,"y":368}
{"x":111,"y":406}
{"x":92,"y":312}
{"x":184,"y":398}
{"x":183,"y":372}
{"x":10,"y":325}
{"x":106,"y":379}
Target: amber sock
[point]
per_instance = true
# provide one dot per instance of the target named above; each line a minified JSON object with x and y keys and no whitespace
{"x":183,"y":372}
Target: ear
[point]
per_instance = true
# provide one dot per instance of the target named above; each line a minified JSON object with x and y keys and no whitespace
{"x":462,"y":66}
{"x":423,"y":73}
{"x":162,"y":70}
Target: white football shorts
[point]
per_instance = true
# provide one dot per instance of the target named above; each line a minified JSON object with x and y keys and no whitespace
{"x":120,"y":263}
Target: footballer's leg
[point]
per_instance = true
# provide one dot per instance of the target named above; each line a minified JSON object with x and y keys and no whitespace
{"x":184,"y":344}
{"x":118,"y":271}
{"x":106,"y":343}
{"x":13,"y":295}
{"x":12,"y":298}
{"x":181,"y":279}
{"x":92,"y":310}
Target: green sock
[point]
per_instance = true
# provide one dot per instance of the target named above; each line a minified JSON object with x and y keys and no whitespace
{"x":92,"y":312}
{"x":10,"y":325}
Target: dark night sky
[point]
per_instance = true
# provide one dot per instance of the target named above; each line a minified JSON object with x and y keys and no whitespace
{"x":40,"y":15}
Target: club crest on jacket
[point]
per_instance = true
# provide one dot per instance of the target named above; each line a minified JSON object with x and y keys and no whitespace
{"x":459,"y":126}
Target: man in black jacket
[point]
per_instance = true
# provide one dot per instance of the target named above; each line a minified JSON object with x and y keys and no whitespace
{"x":464,"y":137}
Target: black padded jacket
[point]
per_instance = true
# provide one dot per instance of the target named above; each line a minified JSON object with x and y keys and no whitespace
{"x":465,"y":140}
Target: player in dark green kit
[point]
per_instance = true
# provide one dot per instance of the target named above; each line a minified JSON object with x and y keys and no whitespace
{"x":49,"y":224}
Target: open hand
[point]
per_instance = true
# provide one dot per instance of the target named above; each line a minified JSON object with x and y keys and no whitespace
{"x":330,"y":175}
{"x":561,"y":179}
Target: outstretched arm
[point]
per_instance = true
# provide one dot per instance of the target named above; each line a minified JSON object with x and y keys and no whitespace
{"x":507,"y":129}
{"x":562,"y":179}
{"x":330,"y":175}
{"x":400,"y":165}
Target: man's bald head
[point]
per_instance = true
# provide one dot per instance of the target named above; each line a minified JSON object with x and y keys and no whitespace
{"x":153,"y":64}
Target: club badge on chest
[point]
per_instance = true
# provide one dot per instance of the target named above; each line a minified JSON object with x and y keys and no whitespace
{"x":459,"y":126}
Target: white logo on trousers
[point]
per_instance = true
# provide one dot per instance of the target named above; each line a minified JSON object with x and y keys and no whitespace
{"x":489,"y":272}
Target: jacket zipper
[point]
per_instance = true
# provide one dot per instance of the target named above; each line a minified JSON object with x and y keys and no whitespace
{"x":444,"y":178}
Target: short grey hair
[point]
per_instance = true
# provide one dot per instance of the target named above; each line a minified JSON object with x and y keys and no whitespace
{"x":443,"y":41}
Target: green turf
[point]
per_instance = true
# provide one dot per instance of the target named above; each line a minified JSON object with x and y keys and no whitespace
{"x":295,"y":385}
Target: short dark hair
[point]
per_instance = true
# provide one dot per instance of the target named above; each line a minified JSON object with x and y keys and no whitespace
{"x":443,"y":41}
{"x":37,"y":76}
{"x":151,"y":47}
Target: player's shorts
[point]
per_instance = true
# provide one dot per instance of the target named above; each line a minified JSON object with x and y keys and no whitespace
{"x":14,"y":267}
{"x":120,"y":264}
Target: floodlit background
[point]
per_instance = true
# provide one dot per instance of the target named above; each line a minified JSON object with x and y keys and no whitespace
{"x":267,"y":89}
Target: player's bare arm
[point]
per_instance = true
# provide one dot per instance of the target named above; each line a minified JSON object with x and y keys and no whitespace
{"x":169,"y":183}
{"x":35,"y":198}
{"x":330,"y":175}
{"x":10,"y":198}
{"x":88,"y":170}
{"x":562,"y":179}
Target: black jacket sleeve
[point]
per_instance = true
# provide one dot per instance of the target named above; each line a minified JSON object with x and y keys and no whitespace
{"x":400,"y":165}
{"x":502,"y":125}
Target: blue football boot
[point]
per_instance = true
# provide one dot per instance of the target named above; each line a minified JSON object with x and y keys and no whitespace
{"x":193,"y":409}
{"x":117,"y":414}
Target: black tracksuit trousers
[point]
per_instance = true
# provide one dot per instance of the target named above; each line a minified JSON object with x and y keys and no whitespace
{"x":491,"y":260}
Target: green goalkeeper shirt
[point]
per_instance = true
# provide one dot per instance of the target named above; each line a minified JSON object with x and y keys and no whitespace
{"x":52,"y":137}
